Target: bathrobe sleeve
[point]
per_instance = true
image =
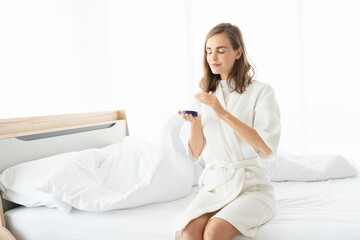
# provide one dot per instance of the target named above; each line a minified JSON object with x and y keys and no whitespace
{"x":266,"y":121}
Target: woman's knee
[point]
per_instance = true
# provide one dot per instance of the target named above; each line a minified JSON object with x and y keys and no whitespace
{"x":190,"y":232}
{"x":212,"y":232}
{"x":219,"y":229}
{"x":195,"y":228}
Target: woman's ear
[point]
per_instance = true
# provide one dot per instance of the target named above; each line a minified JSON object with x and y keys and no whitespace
{"x":238,"y":54}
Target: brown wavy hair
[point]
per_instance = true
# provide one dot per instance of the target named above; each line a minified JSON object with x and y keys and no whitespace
{"x":242,"y":72}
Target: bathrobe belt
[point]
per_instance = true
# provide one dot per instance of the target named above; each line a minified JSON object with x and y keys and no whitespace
{"x":218,"y":180}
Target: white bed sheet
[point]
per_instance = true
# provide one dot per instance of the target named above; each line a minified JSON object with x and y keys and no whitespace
{"x":153,"y":222}
{"x":305,"y":210}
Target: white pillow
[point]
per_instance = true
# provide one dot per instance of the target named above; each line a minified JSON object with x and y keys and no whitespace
{"x":19,"y":183}
{"x":290,"y":167}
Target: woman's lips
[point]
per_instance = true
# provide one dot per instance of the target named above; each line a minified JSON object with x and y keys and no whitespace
{"x":215,"y":65}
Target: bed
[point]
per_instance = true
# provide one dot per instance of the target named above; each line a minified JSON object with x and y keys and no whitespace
{"x":315,"y":210}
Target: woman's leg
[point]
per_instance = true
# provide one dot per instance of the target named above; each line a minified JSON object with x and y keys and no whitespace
{"x":218,"y":228}
{"x":195,"y":228}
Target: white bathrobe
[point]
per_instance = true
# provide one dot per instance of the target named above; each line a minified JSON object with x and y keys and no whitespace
{"x":234,"y":179}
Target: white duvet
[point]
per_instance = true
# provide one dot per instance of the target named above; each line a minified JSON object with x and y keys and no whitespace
{"x":135,"y":172}
{"x":123,"y":175}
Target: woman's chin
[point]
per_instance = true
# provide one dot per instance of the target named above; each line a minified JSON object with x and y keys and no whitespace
{"x":214,"y":71}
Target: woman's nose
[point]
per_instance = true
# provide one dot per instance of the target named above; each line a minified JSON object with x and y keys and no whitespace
{"x":214,"y":56}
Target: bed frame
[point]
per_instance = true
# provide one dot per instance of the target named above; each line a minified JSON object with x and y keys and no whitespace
{"x":43,"y":136}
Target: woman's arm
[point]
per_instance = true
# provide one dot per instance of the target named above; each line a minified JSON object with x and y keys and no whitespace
{"x":196,"y":141}
{"x":248,"y":134}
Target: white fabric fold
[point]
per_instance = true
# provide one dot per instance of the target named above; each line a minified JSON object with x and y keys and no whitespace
{"x":131,"y":173}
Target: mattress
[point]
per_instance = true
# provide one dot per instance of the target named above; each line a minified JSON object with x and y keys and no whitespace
{"x":305,"y":210}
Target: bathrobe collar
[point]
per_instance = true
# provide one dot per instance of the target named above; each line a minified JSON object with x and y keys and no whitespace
{"x":230,"y":135}
{"x":229,"y":106}
{"x":218,"y":93}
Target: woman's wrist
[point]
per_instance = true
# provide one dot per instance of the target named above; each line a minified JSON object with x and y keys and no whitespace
{"x":225,"y":115}
{"x":195,"y":123}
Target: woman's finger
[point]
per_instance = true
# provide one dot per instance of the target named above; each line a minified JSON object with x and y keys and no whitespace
{"x":190,"y":117}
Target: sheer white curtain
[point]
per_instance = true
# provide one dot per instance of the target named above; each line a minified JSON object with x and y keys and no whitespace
{"x":64,"y":56}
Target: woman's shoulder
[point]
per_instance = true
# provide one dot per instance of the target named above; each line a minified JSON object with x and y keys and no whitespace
{"x":259,"y":86}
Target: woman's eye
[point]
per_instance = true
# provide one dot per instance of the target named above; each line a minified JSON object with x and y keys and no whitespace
{"x":221,"y":52}
{"x":209,"y":53}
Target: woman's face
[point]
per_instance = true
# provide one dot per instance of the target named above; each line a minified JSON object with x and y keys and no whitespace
{"x":220,"y":55}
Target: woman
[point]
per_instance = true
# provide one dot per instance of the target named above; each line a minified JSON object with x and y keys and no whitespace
{"x":237,"y":127}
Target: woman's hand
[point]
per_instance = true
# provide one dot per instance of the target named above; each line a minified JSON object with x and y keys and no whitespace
{"x":212,"y":101}
{"x":191,"y":118}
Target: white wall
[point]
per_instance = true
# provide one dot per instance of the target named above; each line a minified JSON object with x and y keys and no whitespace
{"x":81,"y":56}
{"x":144,"y":56}
{"x":331,"y":76}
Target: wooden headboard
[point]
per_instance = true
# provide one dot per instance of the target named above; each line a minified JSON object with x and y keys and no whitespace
{"x":31,"y":138}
